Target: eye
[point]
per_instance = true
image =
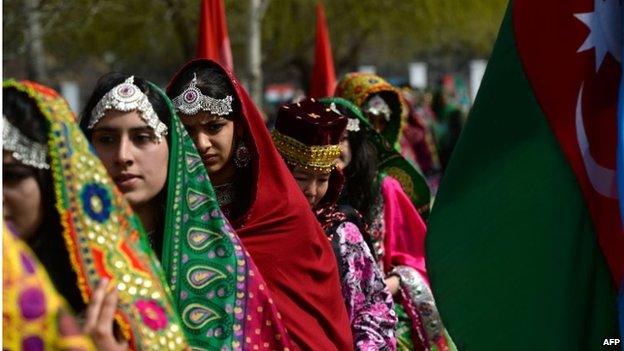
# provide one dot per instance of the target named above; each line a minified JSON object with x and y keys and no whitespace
{"x":104,"y":139}
{"x":12,"y":175}
{"x":143,"y":138}
{"x":213,"y":128}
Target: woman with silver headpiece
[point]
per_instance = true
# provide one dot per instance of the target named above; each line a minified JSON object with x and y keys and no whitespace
{"x":263,"y":202}
{"x":219,"y":294}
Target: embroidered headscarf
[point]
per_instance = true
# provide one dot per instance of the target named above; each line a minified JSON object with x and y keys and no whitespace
{"x":369,"y":91}
{"x":103,"y":236}
{"x":285,"y":240}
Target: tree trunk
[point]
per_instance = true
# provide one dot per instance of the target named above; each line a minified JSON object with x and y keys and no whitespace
{"x":257,"y":8}
{"x":35,"y":61}
{"x":180,"y":25}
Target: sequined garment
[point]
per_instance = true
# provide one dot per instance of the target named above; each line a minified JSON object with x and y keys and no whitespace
{"x":103,"y":236}
{"x":35,"y":316}
{"x":368,"y":300}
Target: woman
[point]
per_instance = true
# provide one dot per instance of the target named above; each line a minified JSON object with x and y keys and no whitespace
{"x":307,"y":135}
{"x":47,"y":163}
{"x":265,"y":205}
{"x":396,"y":229}
{"x":217,"y":290}
{"x":382,"y":105}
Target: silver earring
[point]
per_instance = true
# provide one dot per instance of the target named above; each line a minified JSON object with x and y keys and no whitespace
{"x":241,"y":155}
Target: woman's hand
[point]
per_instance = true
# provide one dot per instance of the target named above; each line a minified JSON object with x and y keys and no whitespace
{"x":393,"y":283}
{"x":99,"y":319}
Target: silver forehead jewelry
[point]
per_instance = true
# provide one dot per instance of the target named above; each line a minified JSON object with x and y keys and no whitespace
{"x":25,"y":150}
{"x":353,"y":125}
{"x":192,"y":101}
{"x":377,"y":106}
{"x":127,"y":97}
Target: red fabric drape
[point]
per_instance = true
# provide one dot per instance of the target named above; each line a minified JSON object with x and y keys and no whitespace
{"x":213,"y":41}
{"x":287,"y":243}
{"x":323,"y":73}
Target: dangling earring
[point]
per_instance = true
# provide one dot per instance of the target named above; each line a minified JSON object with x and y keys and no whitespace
{"x":241,"y":155}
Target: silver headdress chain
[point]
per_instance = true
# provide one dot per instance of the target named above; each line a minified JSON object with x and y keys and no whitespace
{"x":127,"y":97}
{"x":191,"y":101}
{"x":377,"y":106}
{"x":25,"y":150}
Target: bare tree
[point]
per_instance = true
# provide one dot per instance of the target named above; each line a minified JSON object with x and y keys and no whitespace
{"x":257,"y":9}
{"x":35,"y":58}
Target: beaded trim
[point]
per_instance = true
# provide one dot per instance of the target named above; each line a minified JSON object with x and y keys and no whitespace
{"x":318,"y":159}
{"x":421,"y":297}
{"x":25,"y":150}
{"x":127,"y":97}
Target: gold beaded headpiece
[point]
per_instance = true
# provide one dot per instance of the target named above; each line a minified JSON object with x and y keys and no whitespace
{"x":317,"y":159}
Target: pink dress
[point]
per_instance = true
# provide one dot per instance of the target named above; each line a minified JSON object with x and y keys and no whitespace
{"x":398,"y":233}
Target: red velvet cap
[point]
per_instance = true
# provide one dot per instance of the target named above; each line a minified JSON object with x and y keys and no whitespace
{"x":311,"y":122}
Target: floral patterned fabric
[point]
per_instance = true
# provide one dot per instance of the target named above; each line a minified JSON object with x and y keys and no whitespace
{"x":368,"y":300}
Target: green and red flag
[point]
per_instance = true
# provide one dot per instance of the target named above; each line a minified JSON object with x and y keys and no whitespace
{"x":525,"y":246}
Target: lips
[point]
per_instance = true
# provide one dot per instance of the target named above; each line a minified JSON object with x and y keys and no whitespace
{"x":209,"y":158}
{"x":126,"y":181}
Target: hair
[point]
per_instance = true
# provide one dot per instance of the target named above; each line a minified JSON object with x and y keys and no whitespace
{"x":105,"y":84}
{"x":47,"y":243}
{"x":211,"y":81}
{"x":361,"y":172}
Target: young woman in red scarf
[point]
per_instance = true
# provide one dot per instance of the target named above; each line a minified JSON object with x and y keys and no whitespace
{"x":263,"y":202}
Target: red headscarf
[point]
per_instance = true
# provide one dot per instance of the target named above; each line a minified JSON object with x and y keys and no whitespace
{"x":286,"y":242}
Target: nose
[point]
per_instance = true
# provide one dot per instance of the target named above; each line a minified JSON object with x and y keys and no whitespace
{"x":202,"y":141}
{"x":310,"y":189}
{"x":124,"y":155}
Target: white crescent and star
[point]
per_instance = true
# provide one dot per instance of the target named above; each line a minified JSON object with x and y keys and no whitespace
{"x":605,"y":24}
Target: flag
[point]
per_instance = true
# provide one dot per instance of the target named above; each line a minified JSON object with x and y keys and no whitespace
{"x":323,"y":74}
{"x":525,"y":243}
{"x":620,"y":172}
{"x":213,"y":41}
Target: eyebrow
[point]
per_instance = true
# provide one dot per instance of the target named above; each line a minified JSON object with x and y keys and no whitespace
{"x":113,"y":129}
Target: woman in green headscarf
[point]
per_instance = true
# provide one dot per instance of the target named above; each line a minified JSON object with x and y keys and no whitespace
{"x":219,"y":294}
